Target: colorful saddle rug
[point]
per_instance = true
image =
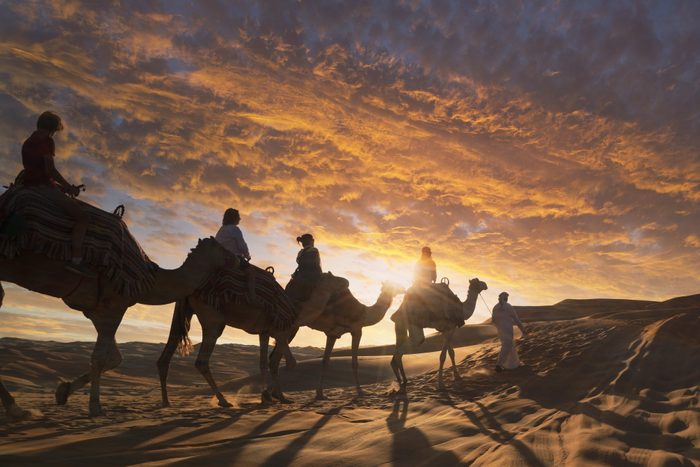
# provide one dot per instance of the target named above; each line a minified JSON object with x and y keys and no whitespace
{"x":30,"y":222}
{"x":251,"y":285}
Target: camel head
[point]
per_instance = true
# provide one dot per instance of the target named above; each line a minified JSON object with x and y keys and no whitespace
{"x":392,"y":288}
{"x":477,"y":286}
{"x":210,"y":252}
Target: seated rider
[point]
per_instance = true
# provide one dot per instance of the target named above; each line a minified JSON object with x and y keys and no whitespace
{"x":230,"y":235}
{"x":40,"y":174}
{"x":424,"y":276}
{"x":425,"y":271}
{"x":308,"y":270}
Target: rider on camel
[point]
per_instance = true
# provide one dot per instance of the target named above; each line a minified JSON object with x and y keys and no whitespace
{"x":40,"y":174}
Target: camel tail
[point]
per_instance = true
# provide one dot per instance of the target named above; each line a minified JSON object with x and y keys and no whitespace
{"x":180,"y":327}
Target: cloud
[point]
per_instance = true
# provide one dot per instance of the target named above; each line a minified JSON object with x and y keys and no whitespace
{"x":549,"y":149}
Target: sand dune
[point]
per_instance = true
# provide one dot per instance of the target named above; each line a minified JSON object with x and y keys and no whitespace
{"x":612,"y":383}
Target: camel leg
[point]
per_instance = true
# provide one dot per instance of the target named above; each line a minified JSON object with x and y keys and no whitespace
{"x":266,"y":398}
{"x":11,"y":408}
{"x":402,"y":338}
{"x":164,"y":365}
{"x":289,"y":359}
{"x":281,"y":346}
{"x":105,"y":356}
{"x":13,"y":411}
{"x":66,"y":388}
{"x":356,"y":336}
{"x":330,"y":342}
{"x":443,"y":356}
{"x":210,"y":334}
{"x":451,"y":353}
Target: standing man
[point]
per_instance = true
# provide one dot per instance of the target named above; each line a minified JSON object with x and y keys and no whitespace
{"x":504,"y":318}
{"x":230,"y":235}
{"x":40,"y":174}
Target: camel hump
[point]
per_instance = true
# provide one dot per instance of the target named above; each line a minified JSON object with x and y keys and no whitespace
{"x":108,"y":246}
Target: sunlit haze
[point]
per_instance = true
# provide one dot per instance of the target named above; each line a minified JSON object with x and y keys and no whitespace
{"x":548,"y":148}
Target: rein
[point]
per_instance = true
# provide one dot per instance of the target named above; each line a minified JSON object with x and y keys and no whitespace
{"x":488,"y":309}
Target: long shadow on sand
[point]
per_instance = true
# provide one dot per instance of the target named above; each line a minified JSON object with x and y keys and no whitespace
{"x":410,"y":444}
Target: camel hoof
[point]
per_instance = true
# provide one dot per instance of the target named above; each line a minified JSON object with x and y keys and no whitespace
{"x":266,"y":398}
{"x":321,"y":397}
{"x":165,"y":405}
{"x":225,"y":404}
{"x":96,"y":411}
{"x":280,"y":397}
{"x":360,"y":392}
{"x":16,"y":413}
{"x":62,"y":392}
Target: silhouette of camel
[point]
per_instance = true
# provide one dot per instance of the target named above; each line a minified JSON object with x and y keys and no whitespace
{"x":344,"y":313}
{"x":430,"y":313}
{"x":103,"y":305}
{"x":251,"y":318}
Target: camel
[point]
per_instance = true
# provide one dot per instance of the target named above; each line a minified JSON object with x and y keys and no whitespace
{"x":346,"y":314}
{"x":248,"y":317}
{"x":99,"y":302}
{"x":421,"y":317}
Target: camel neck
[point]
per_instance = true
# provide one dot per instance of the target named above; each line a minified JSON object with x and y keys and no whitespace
{"x":174,"y":284}
{"x":376,"y":312}
{"x":469,"y":304}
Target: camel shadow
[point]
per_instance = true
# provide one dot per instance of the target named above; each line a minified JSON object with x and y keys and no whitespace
{"x":410,"y":444}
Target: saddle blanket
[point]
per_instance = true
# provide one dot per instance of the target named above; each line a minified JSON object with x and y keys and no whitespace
{"x":42,"y":228}
{"x":253,"y":285}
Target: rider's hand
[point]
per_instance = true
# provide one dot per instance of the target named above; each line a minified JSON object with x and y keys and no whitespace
{"x":74,"y":190}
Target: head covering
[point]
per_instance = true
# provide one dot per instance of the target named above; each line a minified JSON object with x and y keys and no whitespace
{"x":503,"y":296}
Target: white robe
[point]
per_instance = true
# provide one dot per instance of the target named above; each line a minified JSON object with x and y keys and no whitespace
{"x":504,"y":318}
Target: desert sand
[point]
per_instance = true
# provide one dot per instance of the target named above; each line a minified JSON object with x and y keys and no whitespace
{"x":605,"y":382}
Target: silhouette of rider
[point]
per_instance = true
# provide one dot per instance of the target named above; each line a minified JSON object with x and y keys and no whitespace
{"x":308,"y":270}
{"x":40,"y":173}
{"x":230,"y":235}
{"x":425,"y":272}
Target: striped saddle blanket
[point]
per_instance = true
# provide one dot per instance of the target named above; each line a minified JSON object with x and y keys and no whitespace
{"x":29,"y":222}
{"x":252,"y":285}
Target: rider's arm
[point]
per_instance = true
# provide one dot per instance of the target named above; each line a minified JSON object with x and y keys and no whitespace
{"x":242,"y":245}
{"x":53,"y":172}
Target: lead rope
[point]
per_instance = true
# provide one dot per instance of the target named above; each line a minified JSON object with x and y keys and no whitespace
{"x":488,"y":308}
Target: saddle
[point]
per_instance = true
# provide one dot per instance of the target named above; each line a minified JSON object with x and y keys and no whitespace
{"x":240,"y":281}
{"x":30,"y":222}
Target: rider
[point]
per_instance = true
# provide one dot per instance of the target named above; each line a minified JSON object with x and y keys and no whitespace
{"x":40,"y":173}
{"x":425,"y":271}
{"x":308,"y":270}
{"x":230,"y":235}
{"x":417,"y":296}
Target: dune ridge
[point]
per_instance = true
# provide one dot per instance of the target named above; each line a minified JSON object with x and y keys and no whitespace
{"x":612,"y":383}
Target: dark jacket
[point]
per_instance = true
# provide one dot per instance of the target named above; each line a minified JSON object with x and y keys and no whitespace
{"x":308,"y":265}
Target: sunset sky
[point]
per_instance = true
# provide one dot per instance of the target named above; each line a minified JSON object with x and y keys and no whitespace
{"x":549,"y":148}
